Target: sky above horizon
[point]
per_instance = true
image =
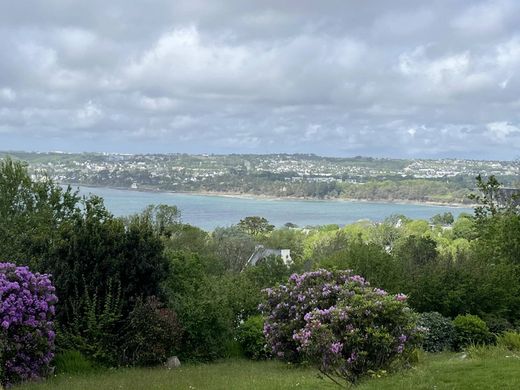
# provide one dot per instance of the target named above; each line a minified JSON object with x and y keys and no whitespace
{"x":335,"y":77}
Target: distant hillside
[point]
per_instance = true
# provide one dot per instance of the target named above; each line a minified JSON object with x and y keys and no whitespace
{"x":281,"y":175}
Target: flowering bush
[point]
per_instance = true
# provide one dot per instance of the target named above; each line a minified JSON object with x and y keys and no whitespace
{"x":337,"y":322}
{"x":26,"y":311}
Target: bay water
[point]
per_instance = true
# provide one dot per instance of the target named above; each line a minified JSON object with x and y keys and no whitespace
{"x":210,"y":211}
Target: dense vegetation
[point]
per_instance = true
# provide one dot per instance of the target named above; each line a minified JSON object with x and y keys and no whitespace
{"x":134,"y":291}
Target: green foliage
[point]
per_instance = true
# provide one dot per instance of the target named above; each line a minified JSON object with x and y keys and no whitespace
{"x":327,"y":243}
{"x":469,"y":330}
{"x":73,"y":362}
{"x":251,"y":337}
{"x":442,"y":219}
{"x":243,"y":290}
{"x":30,"y":213}
{"x":417,"y":227}
{"x":440,"y":334}
{"x":464,"y":227}
{"x":94,"y":325}
{"x":94,"y":249}
{"x":509,"y":340}
{"x":366,"y":259}
{"x":416,"y":251}
{"x":202,"y":308}
{"x":255,"y":225}
{"x":497,"y":324}
{"x":267,"y":272}
{"x":385,"y":235}
{"x":497,"y":219}
{"x":188,"y":238}
{"x":489,"y":193}
{"x":162,"y":218}
{"x":152,"y":334}
{"x":232,"y":247}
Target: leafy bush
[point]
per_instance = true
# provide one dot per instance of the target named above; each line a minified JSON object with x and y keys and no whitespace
{"x":95,"y":252}
{"x":440,"y":333}
{"x":509,"y":340}
{"x":470,"y":329}
{"x":338,"y":323}
{"x":251,"y":337}
{"x":497,"y":324}
{"x":26,"y":324}
{"x":202,"y":308}
{"x":152,"y":334}
{"x":95,"y":327}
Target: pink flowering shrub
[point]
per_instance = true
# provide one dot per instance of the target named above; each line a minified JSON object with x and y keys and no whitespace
{"x":337,"y":322}
{"x":26,"y":328}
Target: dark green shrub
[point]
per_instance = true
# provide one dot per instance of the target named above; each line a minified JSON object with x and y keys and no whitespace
{"x":440,"y":334}
{"x":250,"y":335}
{"x":152,"y":334}
{"x":470,"y":329}
{"x":96,"y":251}
{"x":94,"y":327}
{"x":497,"y":325}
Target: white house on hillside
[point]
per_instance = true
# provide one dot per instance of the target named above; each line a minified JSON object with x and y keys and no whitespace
{"x":262,"y":252}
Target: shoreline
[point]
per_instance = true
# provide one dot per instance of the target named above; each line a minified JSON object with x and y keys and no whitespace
{"x":238,"y":195}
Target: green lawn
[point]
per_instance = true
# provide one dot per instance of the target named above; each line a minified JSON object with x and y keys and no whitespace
{"x":494,"y":369}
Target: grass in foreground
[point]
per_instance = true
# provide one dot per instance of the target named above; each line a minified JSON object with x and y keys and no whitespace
{"x":225,"y":375}
{"x":485,"y":368}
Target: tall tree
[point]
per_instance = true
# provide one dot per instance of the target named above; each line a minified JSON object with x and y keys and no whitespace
{"x":255,"y":225}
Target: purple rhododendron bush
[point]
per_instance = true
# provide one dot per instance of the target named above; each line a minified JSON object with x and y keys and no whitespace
{"x":27,"y":305}
{"x":337,"y":322}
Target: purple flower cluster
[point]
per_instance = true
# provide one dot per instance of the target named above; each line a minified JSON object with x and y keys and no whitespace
{"x":337,"y":321}
{"x":27,"y":308}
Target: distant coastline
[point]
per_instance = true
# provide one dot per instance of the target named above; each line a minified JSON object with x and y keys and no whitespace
{"x":276,"y":198}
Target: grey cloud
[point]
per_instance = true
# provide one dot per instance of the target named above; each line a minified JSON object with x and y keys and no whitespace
{"x":400,"y":78}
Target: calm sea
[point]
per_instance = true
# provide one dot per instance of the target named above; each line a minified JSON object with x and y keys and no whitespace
{"x":208,"y":212}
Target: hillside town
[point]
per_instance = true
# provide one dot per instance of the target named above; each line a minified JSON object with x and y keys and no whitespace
{"x":174,"y":170}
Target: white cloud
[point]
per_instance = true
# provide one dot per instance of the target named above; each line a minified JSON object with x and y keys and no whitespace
{"x":501,"y":131}
{"x":487,"y":17}
{"x":88,"y":115}
{"x":7,"y":94}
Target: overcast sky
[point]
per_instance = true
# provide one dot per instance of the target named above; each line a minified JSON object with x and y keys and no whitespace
{"x":378,"y":78}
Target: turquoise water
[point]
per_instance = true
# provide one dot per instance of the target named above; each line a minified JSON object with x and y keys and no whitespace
{"x":208,"y":212}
